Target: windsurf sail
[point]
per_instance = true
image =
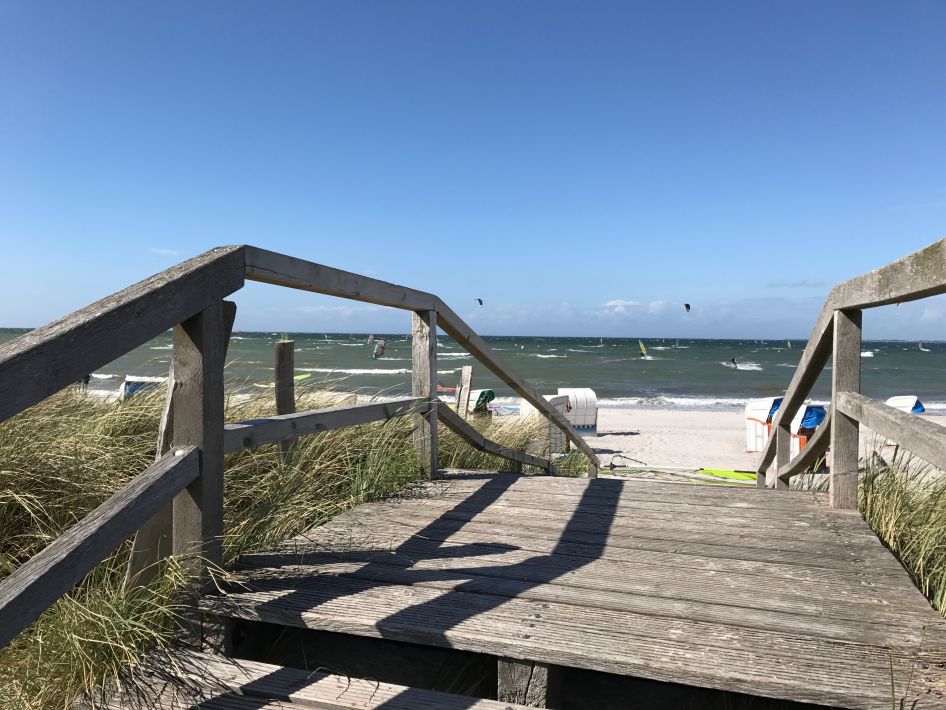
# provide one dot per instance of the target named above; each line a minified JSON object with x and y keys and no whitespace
{"x":788,"y":343}
{"x":640,"y":346}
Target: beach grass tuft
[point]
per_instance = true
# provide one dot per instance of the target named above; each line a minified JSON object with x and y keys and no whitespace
{"x":66,"y":455}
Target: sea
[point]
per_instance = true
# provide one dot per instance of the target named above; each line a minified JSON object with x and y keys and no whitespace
{"x":684,"y":373}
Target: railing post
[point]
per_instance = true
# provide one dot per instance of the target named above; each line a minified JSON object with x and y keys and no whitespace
{"x":783,"y":454}
{"x":284,"y":371}
{"x":424,"y":384}
{"x":463,"y":390}
{"x":845,"y":377}
{"x":197,"y":411}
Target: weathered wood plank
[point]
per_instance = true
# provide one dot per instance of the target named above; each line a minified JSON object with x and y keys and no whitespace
{"x":43,"y":361}
{"x":205,"y":678}
{"x":672,"y":649}
{"x":810,"y":364}
{"x":46,"y":576}
{"x":284,"y":370}
{"x":469,"y":434}
{"x":525,"y":682}
{"x":153,"y":541}
{"x":200,"y":345}
{"x":273,"y":268}
{"x":922,"y":437}
{"x":424,"y":384}
{"x":814,"y":449}
{"x":286,"y":427}
{"x":454,"y":326}
{"x":463,"y":390}
{"x":845,"y":377}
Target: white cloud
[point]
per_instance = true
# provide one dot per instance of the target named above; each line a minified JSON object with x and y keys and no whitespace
{"x":618,"y":307}
{"x":657,"y":307}
{"x":797,"y":283}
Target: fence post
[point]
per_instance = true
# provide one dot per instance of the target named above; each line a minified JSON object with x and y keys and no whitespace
{"x":463,"y":390}
{"x":783,"y":454}
{"x":845,"y":377}
{"x":424,"y":384}
{"x":284,"y":369}
{"x":197,"y":412}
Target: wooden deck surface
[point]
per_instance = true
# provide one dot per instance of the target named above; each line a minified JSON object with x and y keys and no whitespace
{"x":767,"y":593}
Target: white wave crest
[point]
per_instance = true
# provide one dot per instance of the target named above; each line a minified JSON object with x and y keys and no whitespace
{"x":549,"y":356}
{"x":750,"y":366}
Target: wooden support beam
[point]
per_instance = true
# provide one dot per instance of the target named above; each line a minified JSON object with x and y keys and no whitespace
{"x":814,"y":449}
{"x":43,"y":361}
{"x":287,"y":427}
{"x":424,"y":384}
{"x":783,"y":452}
{"x":36,"y":584}
{"x":468,"y":433}
{"x":456,"y":328}
{"x":463,"y":390}
{"x":284,"y":369}
{"x":281,"y":270}
{"x":919,"y":436}
{"x":845,"y":377}
{"x":152,"y":542}
{"x":527,"y":683}
{"x":197,"y":410}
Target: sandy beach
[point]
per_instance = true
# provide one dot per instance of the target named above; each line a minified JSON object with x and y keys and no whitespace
{"x":673,"y":437}
{"x":688,"y":438}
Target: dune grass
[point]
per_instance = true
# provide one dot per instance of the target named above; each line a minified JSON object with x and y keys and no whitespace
{"x":66,"y":455}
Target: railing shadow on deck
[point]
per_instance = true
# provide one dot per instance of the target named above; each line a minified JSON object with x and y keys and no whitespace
{"x":455,"y":605}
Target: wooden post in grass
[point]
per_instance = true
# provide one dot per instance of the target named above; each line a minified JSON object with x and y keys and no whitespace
{"x":424,"y":384}
{"x":463,"y":390}
{"x":284,"y":368}
{"x":152,"y":542}
{"x":197,"y":412}
{"x":845,"y":377}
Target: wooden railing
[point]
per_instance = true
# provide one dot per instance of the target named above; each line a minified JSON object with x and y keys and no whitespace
{"x":176,"y":505}
{"x":837,"y":335}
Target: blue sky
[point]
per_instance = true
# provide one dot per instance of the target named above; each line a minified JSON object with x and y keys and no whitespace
{"x":585,"y":168}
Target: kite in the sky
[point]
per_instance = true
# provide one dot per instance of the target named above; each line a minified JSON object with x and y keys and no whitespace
{"x":687,"y":306}
{"x":479,"y":301}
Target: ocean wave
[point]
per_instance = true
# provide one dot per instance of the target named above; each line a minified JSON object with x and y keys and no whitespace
{"x":576,"y":350}
{"x":549,"y":356}
{"x":356,"y":370}
{"x":162,"y":347}
{"x":102,"y":377}
{"x":749,"y":366}
{"x":454,"y":356}
{"x":867,"y":353}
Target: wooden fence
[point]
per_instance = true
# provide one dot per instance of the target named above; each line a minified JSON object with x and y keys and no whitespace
{"x":837,"y":336}
{"x":179,"y":498}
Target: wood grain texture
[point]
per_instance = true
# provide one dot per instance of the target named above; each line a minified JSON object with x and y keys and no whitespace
{"x":45,"y":577}
{"x":284,"y":369}
{"x":43,"y":361}
{"x":845,"y":377}
{"x":271,"y":267}
{"x":922,"y":437}
{"x":683,"y":583}
{"x":813,"y":451}
{"x":463,"y":390}
{"x":424,"y":384}
{"x":213,"y":682}
{"x":153,"y":541}
{"x":468,"y":433}
{"x":258,"y":432}
{"x":200,"y":345}
{"x":525,"y":682}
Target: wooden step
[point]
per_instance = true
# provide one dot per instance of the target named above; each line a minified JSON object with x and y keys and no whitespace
{"x":213,"y":682}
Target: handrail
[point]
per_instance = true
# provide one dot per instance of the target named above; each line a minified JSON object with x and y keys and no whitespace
{"x":36,"y":584}
{"x":924,"y":438}
{"x":286,"y":427}
{"x":43,"y":361}
{"x":189,"y":298}
{"x":465,"y":430}
{"x":913,"y":277}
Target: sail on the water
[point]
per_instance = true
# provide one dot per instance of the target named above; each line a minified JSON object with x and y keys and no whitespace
{"x":643,"y":350}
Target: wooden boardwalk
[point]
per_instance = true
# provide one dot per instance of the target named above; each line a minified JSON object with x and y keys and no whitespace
{"x":762,"y":593}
